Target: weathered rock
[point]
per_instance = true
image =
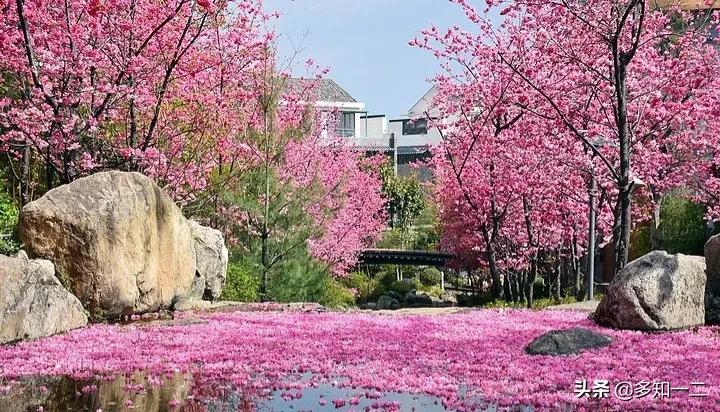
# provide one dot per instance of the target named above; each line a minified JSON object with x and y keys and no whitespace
{"x":712,"y":288}
{"x":33,"y":303}
{"x":567,"y":342}
{"x":656,"y":292}
{"x":370,"y":306}
{"x":186,"y":304}
{"x":211,"y":260}
{"x":449,"y":298}
{"x":383,"y":302}
{"x":118,"y":241}
{"x":465,"y":300}
{"x":423,"y":299}
{"x":395,"y":295}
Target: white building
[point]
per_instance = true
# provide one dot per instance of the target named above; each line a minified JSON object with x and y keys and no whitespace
{"x":354,"y":122}
{"x":405,"y":137}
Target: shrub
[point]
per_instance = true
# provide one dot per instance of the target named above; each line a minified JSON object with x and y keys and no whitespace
{"x":682,"y":226}
{"x":9,"y":213}
{"x":434,"y":291}
{"x":430,"y":277}
{"x":242,"y":284}
{"x":299,"y":279}
{"x":364,"y":287}
{"x":386,"y":278}
{"x":377,"y":291}
{"x":337,"y":296}
{"x":403,"y":287}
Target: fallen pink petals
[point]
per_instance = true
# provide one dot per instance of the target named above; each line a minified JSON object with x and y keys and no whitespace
{"x":468,"y":360}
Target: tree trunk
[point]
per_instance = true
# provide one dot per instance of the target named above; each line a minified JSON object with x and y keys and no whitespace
{"x":507,"y":289}
{"x":530,"y":283}
{"x":49,"y":175}
{"x":517,"y":296}
{"x":264,"y":257}
{"x":496,"y":287}
{"x":655,"y":240}
{"x":579,"y":289}
{"x":558,"y":283}
{"x":522,"y":284}
{"x":621,"y":60}
{"x":25,"y":176}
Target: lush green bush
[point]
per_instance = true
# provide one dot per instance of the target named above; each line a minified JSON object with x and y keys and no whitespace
{"x":403,"y":287}
{"x":307,"y":280}
{"x":337,"y":296}
{"x":434,"y":291}
{"x":386,"y":278}
{"x":682,"y":229}
{"x":430,"y":277}
{"x":298,"y":280}
{"x":682,"y":226}
{"x":9,"y":213}
{"x":362,"y":284}
{"x":242,"y":284}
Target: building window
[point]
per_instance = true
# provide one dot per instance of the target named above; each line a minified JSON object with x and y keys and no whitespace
{"x":412,"y":127}
{"x":346,"y":127}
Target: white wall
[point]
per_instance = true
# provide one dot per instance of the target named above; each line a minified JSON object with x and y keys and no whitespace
{"x":431,"y":138}
{"x":376,"y":126}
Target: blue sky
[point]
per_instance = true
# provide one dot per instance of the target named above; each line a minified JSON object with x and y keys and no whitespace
{"x":365,"y":44}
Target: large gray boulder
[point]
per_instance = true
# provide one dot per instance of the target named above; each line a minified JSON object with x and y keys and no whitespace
{"x":117,"y":240}
{"x":567,"y":342}
{"x":211,"y":261}
{"x":712,"y":288}
{"x":656,"y":292}
{"x":414,"y":300}
{"x":33,"y":303}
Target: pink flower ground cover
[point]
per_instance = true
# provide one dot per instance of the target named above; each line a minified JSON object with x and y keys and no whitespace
{"x":482,"y":351}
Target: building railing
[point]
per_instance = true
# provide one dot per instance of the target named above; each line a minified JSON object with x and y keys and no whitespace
{"x":383,"y":141}
{"x":345,"y":132}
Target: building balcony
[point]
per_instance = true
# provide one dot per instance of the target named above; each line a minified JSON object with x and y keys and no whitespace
{"x":380,"y":142}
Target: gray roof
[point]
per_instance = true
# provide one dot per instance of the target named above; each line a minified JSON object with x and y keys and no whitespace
{"x":327,"y":90}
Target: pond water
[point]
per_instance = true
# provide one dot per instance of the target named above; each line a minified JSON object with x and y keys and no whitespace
{"x":179,"y":393}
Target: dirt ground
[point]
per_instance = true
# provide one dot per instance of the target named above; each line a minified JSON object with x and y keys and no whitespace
{"x":587,"y":306}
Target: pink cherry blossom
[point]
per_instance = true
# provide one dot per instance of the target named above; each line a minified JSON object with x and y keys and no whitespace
{"x":480,"y":350}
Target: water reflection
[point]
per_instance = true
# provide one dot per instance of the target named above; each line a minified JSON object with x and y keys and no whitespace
{"x":182,"y":393}
{"x":134,"y":393}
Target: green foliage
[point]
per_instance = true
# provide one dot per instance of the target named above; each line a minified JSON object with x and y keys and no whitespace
{"x":404,"y":286}
{"x":337,"y":296}
{"x":298,"y":280}
{"x":430,"y":276}
{"x":405,"y":197}
{"x":274,"y":226}
{"x":307,"y":280}
{"x":682,"y":226}
{"x":681,"y":229}
{"x":640,"y":241}
{"x":242,"y":284}
{"x":537,"y":303}
{"x":422,"y":234}
{"x":434,"y":291}
{"x":365,"y":287}
{"x":386,"y":278}
{"x":9,"y":213}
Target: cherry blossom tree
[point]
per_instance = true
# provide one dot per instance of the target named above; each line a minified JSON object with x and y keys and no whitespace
{"x":622,"y":86}
{"x":302,"y":195}
{"x":153,"y":86}
{"x":188,"y":92}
